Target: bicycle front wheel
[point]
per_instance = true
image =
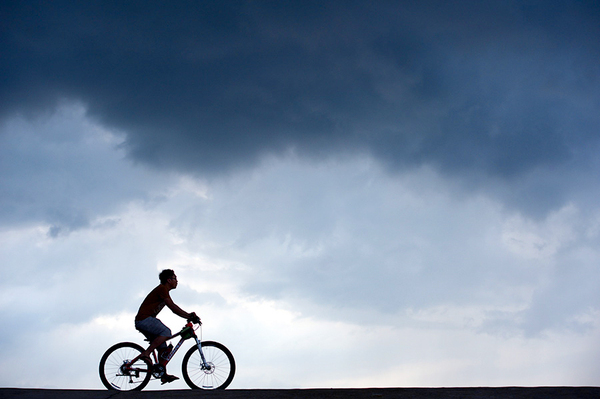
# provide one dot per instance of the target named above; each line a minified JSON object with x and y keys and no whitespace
{"x":116,"y":373}
{"x":218,"y":371}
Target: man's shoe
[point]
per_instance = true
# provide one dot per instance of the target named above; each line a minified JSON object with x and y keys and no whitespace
{"x":168,"y":378}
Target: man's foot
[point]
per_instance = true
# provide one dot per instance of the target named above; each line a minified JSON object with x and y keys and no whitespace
{"x":168,"y":378}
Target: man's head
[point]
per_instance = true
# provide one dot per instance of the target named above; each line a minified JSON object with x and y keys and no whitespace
{"x":168,"y":277}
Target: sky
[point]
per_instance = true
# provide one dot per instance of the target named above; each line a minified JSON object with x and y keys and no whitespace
{"x":352,"y":194}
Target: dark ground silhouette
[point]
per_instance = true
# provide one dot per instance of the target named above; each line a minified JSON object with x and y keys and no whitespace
{"x":373,"y":393}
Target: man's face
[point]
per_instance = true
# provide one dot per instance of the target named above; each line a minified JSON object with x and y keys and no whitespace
{"x":172,"y":282}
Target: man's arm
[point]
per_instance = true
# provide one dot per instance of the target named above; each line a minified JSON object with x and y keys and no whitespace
{"x":176,"y":309}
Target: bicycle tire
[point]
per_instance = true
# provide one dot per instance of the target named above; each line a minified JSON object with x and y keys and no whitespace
{"x":113,"y":359}
{"x":218,"y":377}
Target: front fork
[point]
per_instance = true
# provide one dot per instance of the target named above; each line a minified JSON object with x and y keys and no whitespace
{"x":204,"y":365}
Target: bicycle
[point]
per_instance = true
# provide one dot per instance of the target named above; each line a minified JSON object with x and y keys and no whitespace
{"x":207,"y":365}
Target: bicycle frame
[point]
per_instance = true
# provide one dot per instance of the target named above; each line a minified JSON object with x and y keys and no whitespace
{"x":187,"y":329}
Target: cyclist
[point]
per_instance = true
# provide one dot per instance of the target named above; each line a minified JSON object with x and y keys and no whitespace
{"x":147,"y":323}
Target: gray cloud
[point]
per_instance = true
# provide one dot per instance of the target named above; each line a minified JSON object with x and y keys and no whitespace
{"x":66,"y":172}
{"x":478,"y":90}
{"x":502,"y":98}
{"x":348,"y":242}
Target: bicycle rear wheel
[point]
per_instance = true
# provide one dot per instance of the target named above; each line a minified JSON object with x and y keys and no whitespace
{"x":114,"y":372}
{"x":221,"y":368}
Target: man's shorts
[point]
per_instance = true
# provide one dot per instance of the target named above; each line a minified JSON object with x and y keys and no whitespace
{"x":151,"y":327}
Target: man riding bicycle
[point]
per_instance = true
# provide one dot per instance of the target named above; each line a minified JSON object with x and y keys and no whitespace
{"x":147,"y":323}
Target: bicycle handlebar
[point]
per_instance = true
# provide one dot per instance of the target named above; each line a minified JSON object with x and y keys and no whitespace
{"x":195,"y":319}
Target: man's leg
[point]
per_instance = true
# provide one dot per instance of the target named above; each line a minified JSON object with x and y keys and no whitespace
{"x":162,"y":333}
{"x":158,"y":341}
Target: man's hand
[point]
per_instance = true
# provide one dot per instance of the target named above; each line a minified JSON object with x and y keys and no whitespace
{"x":193,"y":317}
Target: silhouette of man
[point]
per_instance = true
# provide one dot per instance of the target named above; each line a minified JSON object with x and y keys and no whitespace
{"x":147,"y":323}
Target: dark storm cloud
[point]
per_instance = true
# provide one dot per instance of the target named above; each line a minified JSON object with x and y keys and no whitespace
{"x":479,"y":88}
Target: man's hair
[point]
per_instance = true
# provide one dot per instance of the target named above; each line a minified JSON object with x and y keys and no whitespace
{"x":165,"y":275}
